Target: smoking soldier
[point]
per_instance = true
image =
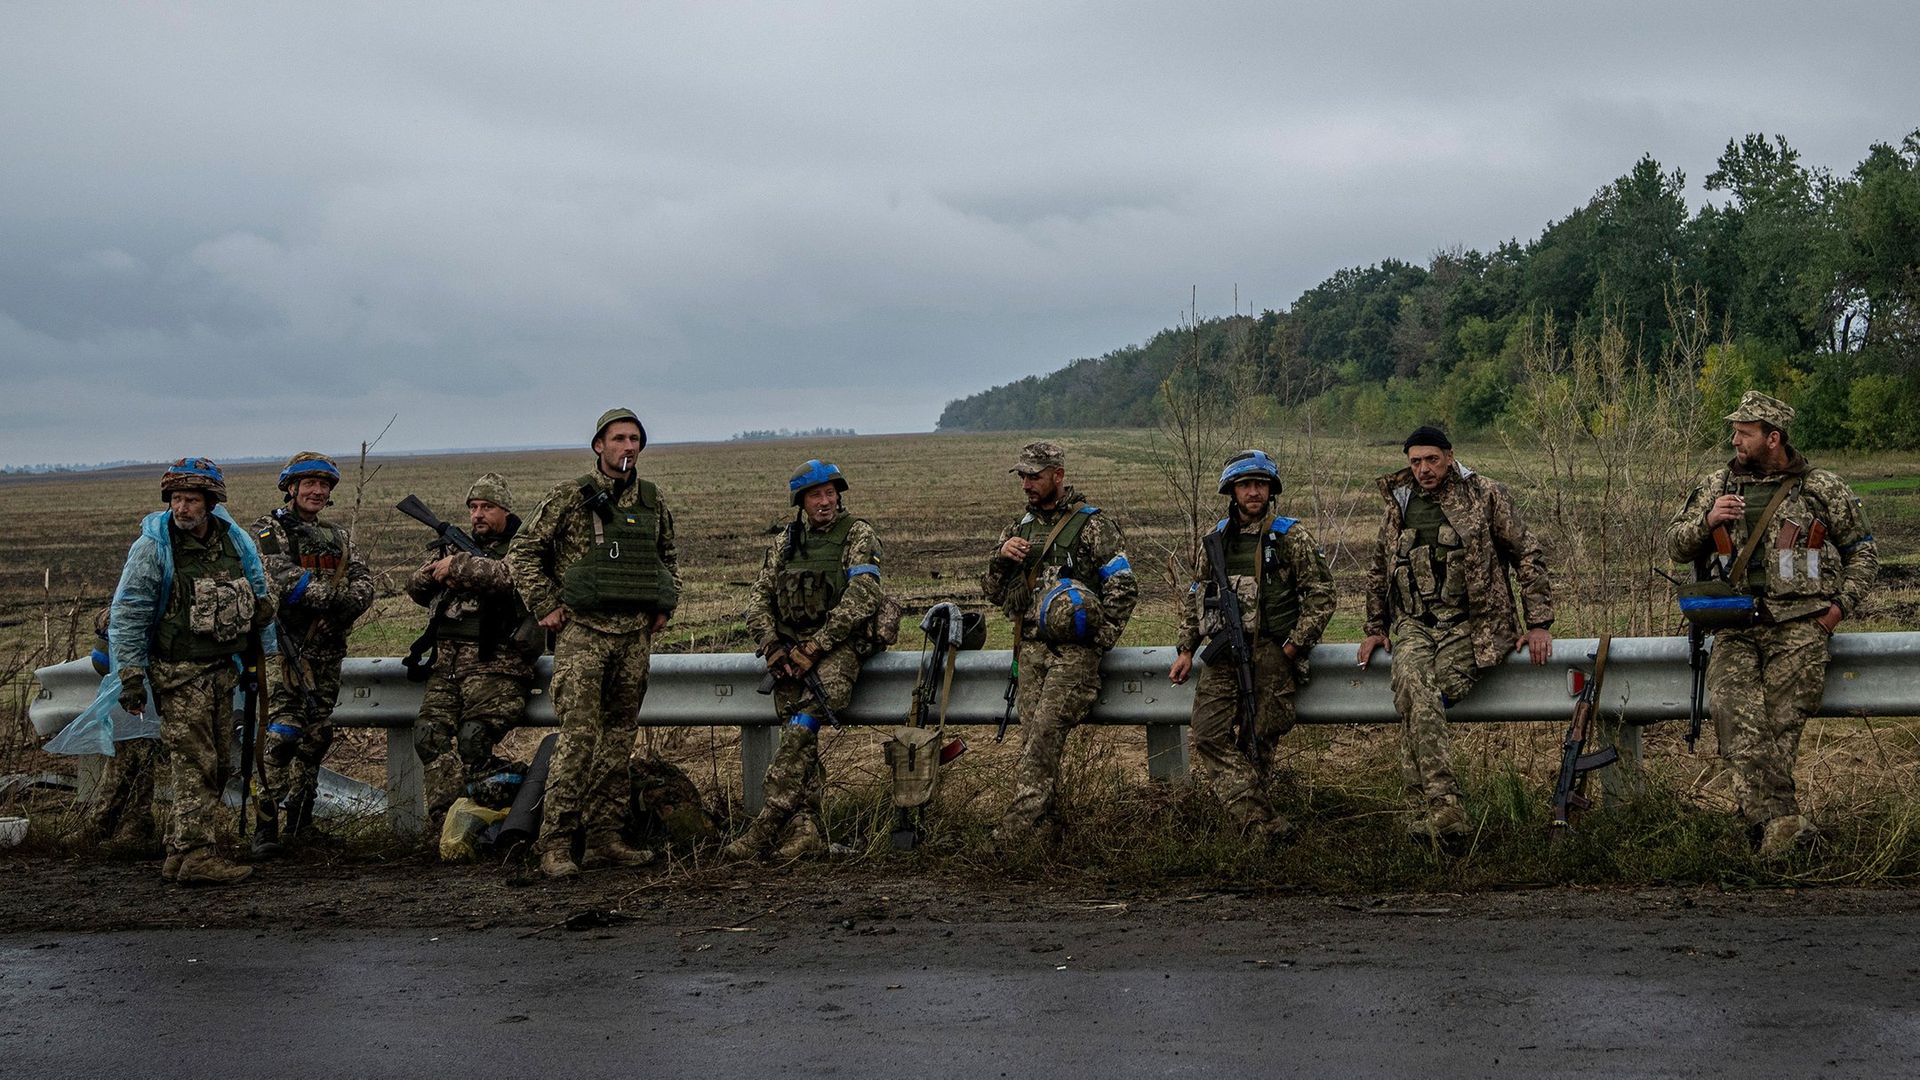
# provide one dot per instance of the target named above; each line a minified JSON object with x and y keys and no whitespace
{"x":1438,"y":585}
{"x":191,"y":593}
{"x":596,"y":563}
{"x":321,"y":585}
{"x":1285,"y":596}
{"x":1060,"y":574}
{"x":812,"y":611}
{"x":484,"y":646}
{"x":1806,"y":557}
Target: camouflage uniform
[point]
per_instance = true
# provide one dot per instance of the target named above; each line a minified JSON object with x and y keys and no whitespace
{"x":484,"y":647}
{"x":322,"y":584}
{"x":1448,"y":607}
{"x":1766,"y":680}
{"x":790,"y":609}
{"x":121,"y":813}
{"x":1295,"y":577}
{"x":600,"y":656}
{"x":1059,"y":679}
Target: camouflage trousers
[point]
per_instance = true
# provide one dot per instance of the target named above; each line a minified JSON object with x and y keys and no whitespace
{"x":461,"y":718}
{"x":195,"y":700}
{"x":121,"y":809}
{"x":290,"y":789}
{"x":795,"y":781}
{"x":1236,"y":779}
{"x":1432,"y":669}
{"x":1764,"y":682}
{"x":599,"y":680}
{"x":1056,"y":690}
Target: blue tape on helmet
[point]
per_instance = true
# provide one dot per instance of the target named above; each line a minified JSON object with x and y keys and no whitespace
{"x":1247,"y":465}
{"x":310,"y":467}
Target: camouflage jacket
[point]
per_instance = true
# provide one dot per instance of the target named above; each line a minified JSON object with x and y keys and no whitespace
{"x":1494,"y":538}
{"x":1792,"y":578}
{"x":317,"y":604}
{"x":472,"y":581}
{"x":856,"y":606}
{"x":559,"y":534}
{"x":1100,"y":545}
{"x":1303,"y":568}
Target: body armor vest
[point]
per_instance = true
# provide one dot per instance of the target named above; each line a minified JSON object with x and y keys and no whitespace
{"x":1429,"y":571}
{"x":812,"y":578}
{"x":1259,"y":557}
{"x":621,"y":573}
{"x":319,"y":548}
{"x":491,"y":620}
{"x":211,"y":607}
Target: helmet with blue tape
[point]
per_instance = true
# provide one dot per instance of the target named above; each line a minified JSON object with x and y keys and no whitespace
{"x":1249,"y":465}
{"x":812,"y":474}
{"x":309,"y":463}
{"x":194,"y":474}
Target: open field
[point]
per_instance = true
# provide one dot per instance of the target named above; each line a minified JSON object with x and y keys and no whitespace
{"x":938,"y":501}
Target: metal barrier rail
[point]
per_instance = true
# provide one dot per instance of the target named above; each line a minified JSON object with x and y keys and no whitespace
{"x":1648,"y":680}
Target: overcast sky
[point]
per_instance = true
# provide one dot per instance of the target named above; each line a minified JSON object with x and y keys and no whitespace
{"x":249,"y":229}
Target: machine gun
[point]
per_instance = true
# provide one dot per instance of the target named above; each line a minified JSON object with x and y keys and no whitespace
{"x":1231,"y":638}
{"x":1574,"y":763}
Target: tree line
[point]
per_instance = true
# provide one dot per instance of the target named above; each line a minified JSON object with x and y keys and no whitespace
{"x":1806,"y":283}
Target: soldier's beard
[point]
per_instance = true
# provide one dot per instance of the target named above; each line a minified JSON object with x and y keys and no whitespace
{"x":188,"y":523}
{"x":1253,"y":513}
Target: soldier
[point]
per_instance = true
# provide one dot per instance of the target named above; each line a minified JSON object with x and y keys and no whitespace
{"x":812,"y":610}
{"x":596,"y":563}
{"x":484,"y":647}
{"x":1286,"y":593}
{"x":191,"y":593}
{"x":1060,"y":574}
{"x":321,"y":584}
{"x":1438,"y":582}
{"x":1766,"y":678}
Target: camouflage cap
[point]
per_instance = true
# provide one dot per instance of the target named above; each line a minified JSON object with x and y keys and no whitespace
{"x":612,"y":415}
{"x":1038,"y":457}
{"x":493,"y":488}
{"x":1758,"y":408}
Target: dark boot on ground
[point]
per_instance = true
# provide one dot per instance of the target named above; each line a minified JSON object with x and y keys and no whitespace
{"x":265,"y":843}
{"x":206,"y":866}
{"x":615,"y":852}
{"x":557,"y":862}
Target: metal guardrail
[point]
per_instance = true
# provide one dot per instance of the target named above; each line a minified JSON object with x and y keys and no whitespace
{"x":1648,"y":680}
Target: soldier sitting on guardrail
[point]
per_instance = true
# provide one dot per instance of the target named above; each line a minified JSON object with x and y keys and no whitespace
{"x":1806,"y":558}
{"x":817,"y":610}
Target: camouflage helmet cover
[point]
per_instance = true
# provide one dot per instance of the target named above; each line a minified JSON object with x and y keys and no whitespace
{"x":194,"y":474}
{"x":614,"y":416}
{"x":309,"y":463}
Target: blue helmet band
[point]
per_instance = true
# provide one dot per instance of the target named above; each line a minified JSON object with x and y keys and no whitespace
{"x":1249,"y":465}
{"x":315,"y":467}
{"x":814,"y":473}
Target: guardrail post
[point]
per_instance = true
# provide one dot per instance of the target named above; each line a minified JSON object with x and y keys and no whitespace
{"x":1625,"y":780}
{"x":86,"y":776}
{"x":757,"y":744}
{"x":406,"y":784}
{"x":1166,"y":752}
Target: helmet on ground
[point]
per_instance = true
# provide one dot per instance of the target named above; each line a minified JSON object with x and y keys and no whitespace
{"x":194,"y":474}
{"x":812,"y":474}
{"x":1248,"y":465}
{"x":612,"y":416}
{"x":309,"y":463}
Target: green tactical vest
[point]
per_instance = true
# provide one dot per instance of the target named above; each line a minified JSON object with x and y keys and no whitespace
{"x":216,"y":560}
{"x":1429,"y":579}
{"x":1259,"y":557}
{"x":1757,"y":496}
{"x":621,"y":574}
{"x":493,"y":622}
{"x":318,"y":548}
{"x":1060,"y":555}
{"x":813,"y":577}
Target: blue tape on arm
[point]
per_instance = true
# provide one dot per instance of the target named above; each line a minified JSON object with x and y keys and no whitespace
{"x":1116,"y":565}
{"x":804,"y":721}
{"x":863,"y":568}
{"x":300,"y":587}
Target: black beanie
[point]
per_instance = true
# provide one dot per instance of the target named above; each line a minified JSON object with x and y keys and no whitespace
{"x":1427,"y":436}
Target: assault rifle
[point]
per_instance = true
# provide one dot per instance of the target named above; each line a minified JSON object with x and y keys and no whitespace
{"x":254,"y":661}
{"x":1697,"y":701}
{"x":293,"y":657}
{"x":451,"y":535}
{"x":815,"y":690}
{"x":1230,"y":638}
{"x":1574,"y":764}
{"x":1013,"y":693}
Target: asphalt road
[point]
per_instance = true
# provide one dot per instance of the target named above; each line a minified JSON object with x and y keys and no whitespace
{"x":1096,"y":991}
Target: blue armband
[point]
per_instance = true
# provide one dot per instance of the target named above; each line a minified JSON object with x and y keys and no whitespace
{"x":300,"y":587}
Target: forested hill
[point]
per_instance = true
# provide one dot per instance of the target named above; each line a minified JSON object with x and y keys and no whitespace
{"x":1807,"y":282}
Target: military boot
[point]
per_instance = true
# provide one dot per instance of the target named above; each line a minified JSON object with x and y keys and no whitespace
{"x":170,"y":870}
{"x":265,"y":843}
{"x":1785,"y":835}
{"x":617,"y":852}
{"x":803,"y":840}
{"x":752,"y":843}
{"x":1445,"y":821}
{"x":557,"y":862}
{"x":1274,"y":831}
{"x":205,"y":866}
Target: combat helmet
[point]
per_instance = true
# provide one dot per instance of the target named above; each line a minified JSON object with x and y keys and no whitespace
{"x":1246,"y":465}
{"x":614,"y":415}
{"x":309,"y":463}
{"x":194,"y":474}
{"x":812,"y":474}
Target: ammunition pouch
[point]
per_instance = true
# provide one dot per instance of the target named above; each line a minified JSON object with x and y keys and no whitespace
{"x":913,"y":755}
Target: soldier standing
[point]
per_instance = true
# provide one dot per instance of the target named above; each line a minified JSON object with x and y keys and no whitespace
{"x":812,"y":611}
{"x":321,"y":584}
{"x":191,"y":592}
{"x":1061,"y":575}
{"x":484,"y":648}
{"x":596,"y":563}
{"x":1286,"y":594}
{"x":1438,"y":583}
{"x":1783,"y":515}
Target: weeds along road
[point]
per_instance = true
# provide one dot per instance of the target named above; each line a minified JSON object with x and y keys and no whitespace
{"x":756,"y":975}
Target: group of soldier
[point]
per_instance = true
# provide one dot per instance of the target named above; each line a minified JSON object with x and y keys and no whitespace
{"x":594,"y":569}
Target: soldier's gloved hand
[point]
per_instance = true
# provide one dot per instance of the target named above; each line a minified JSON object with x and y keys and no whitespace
{"x":133,"y":691}
{"x":775,"y":653}
{"x":800,"y":660}
{"x":262,"y":613}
